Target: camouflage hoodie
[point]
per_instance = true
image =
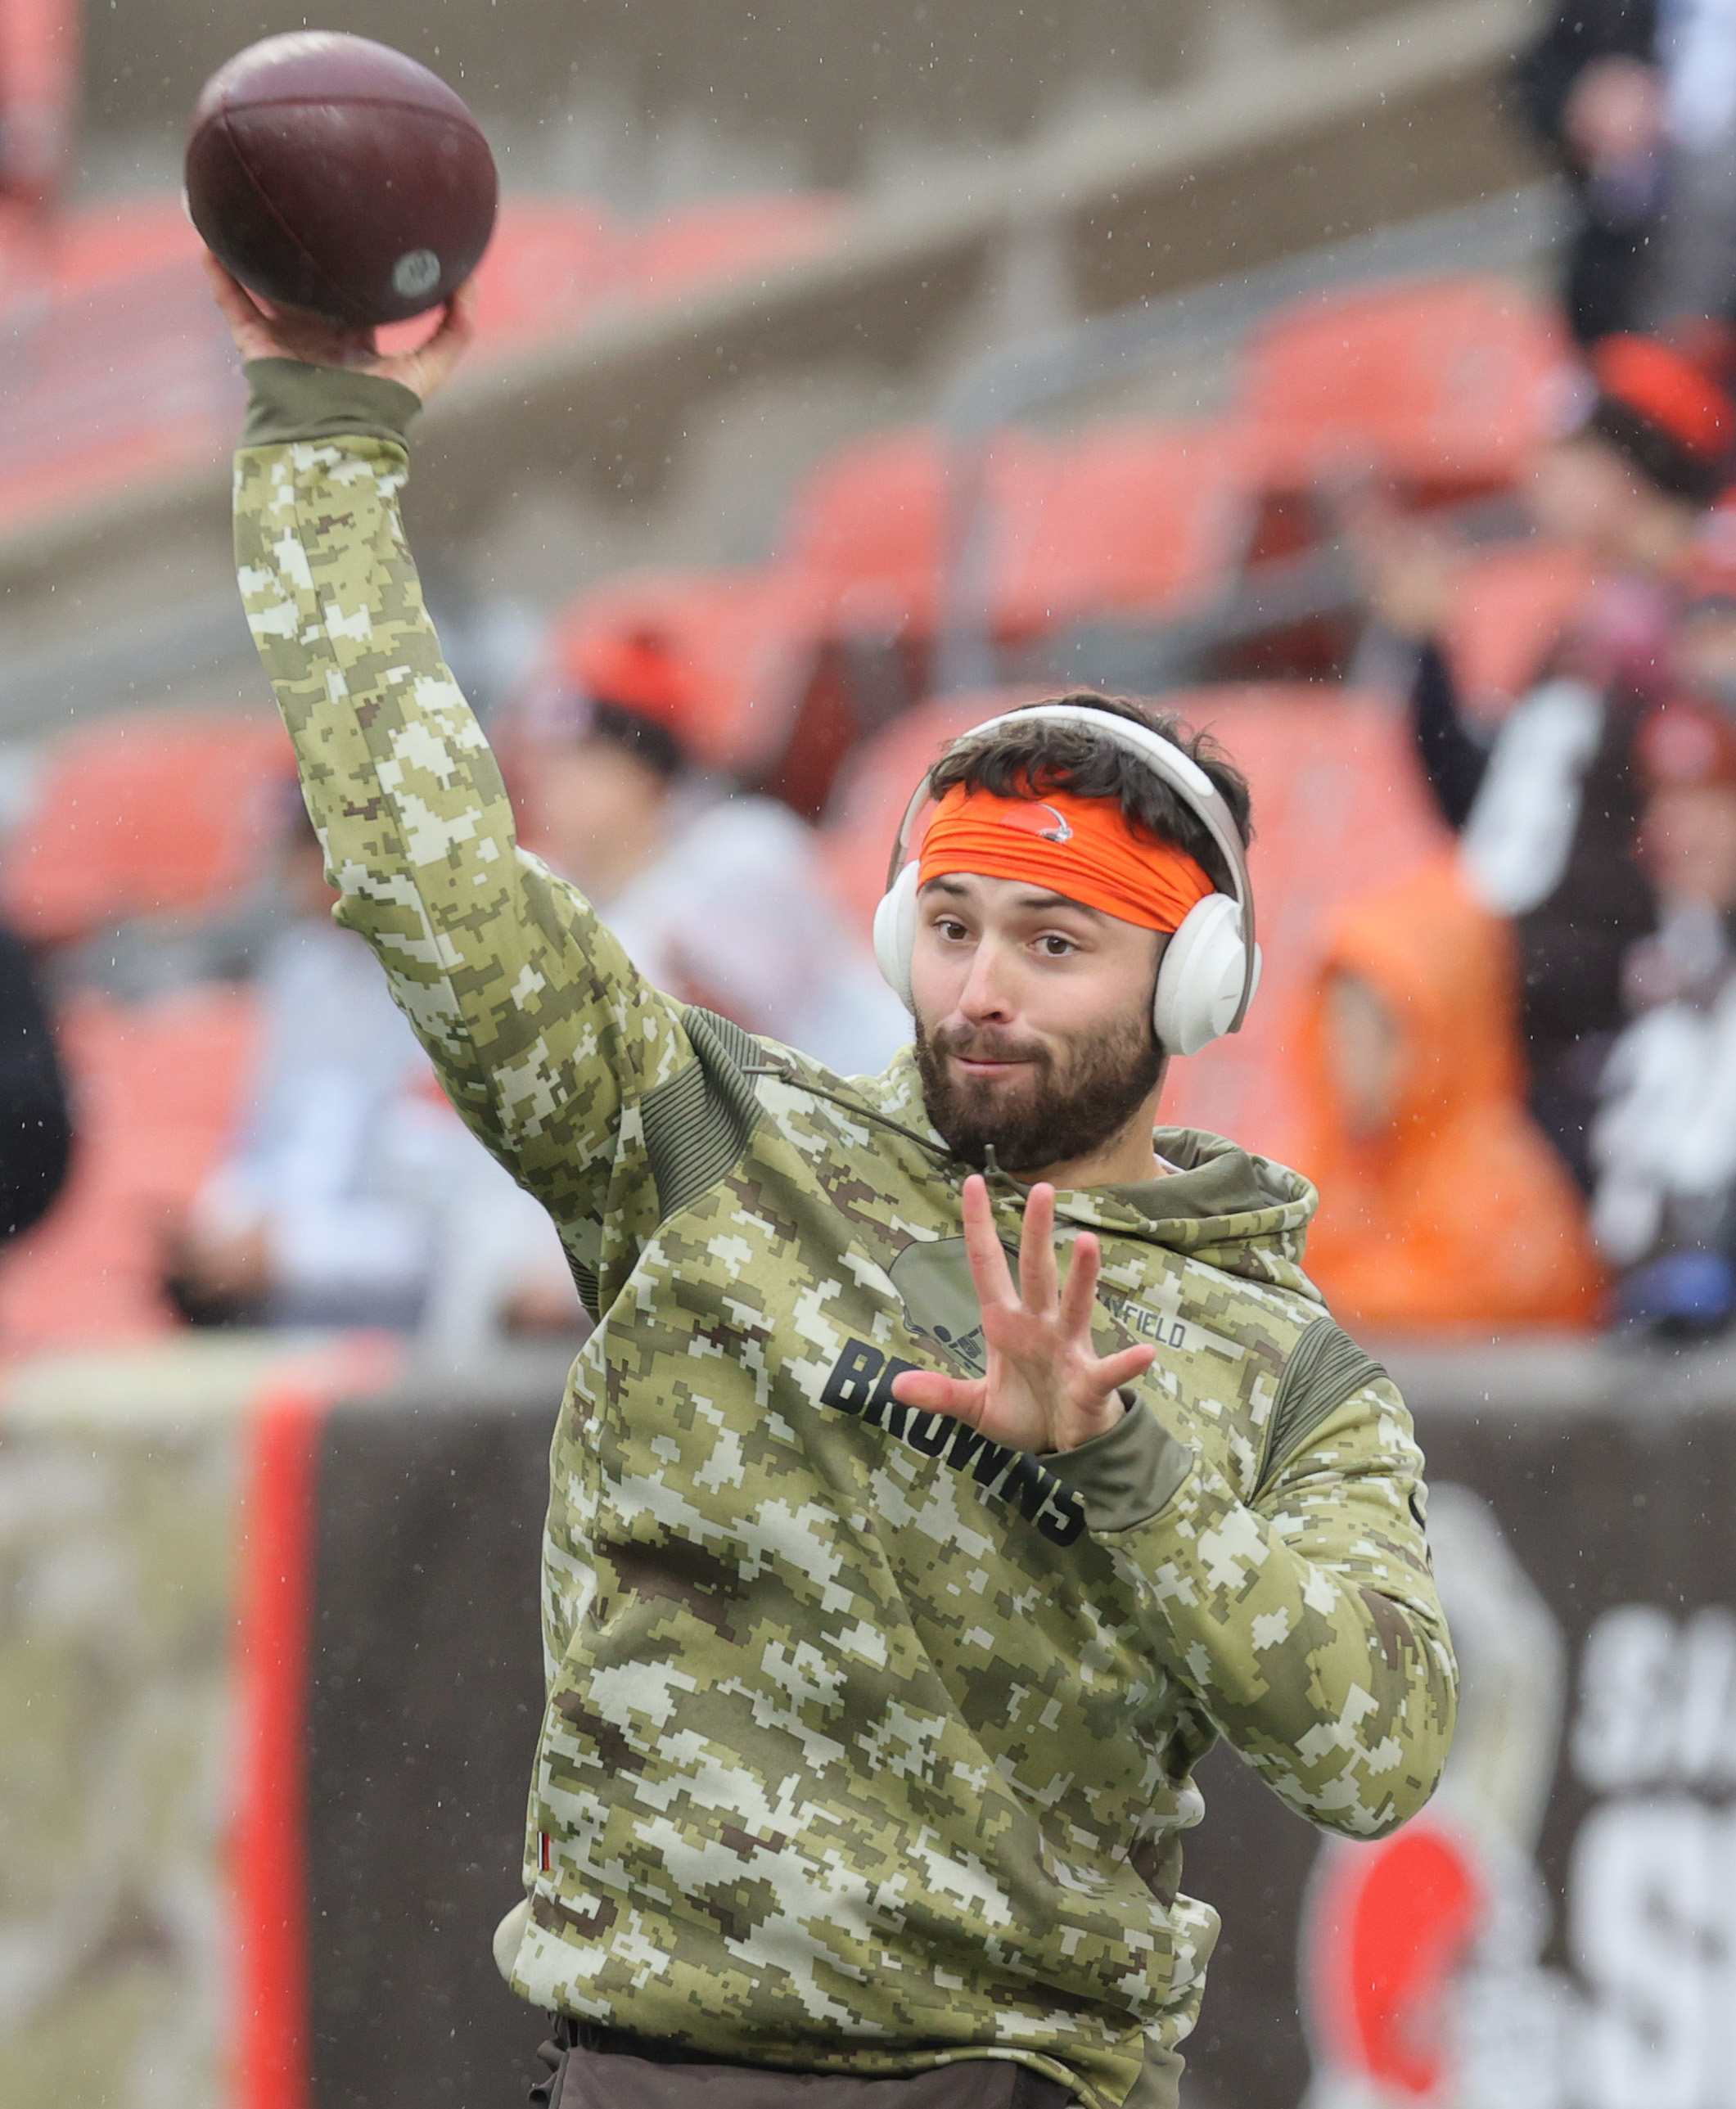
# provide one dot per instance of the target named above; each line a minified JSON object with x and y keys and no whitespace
{"x":869,"y":1745}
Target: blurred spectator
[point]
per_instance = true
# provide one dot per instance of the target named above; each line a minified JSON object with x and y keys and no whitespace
{"x":1664,"y":1142}
{"x":1442,"y":1205}
{"x":721,"y":902}
{"x":35,"y":1127}
{"x":1638,"y":100}
{"x":353,"y":1195}
{"x":1706,"y":630}
{"x":1549,"y":805}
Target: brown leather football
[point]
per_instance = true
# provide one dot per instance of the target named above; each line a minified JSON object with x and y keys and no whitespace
{"x":334,"y":173}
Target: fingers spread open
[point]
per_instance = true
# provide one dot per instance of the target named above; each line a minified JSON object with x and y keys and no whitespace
{"x":1080,"y":1298}
{"x":1038,"y":1283}
{"x":928,"y":1392}
{"x":1115,"y":1370}
{"x":989,"y":1268}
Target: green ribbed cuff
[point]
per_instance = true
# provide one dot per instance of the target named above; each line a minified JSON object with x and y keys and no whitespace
{"x":293,"y":401}
{"x":1126,"y":1476}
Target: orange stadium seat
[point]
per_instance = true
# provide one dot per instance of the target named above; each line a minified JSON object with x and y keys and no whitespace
{"x":40,"y":77}
{"x":1339,"y":806}
{"x":95,"y":245}
{"x":76,"y":423}
{"x":1510,"y":606}
{"x":871,"y":527}
{"x":694,"y":246}
{"x":1147,"y":517}
{"x":77,"y":426}
{"x":1442,"y":383}
{"x":156,"y":1090}
{"x":147,"y":814}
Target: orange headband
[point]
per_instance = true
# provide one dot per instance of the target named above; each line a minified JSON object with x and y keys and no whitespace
{"x":1082,"y":847}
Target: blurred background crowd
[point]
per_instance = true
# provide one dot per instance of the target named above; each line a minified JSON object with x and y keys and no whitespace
{"x":797,"y":440}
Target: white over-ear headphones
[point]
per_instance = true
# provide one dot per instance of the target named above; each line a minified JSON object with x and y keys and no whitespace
{"x":1211,"y":965}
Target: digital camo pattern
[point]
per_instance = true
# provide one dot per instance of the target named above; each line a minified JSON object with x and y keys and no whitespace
{"x":117,"y":1537}
{"x":861,"y":1748}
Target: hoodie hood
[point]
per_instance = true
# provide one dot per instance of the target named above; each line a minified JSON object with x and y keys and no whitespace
{"x":1445,"y":970}
{"x":1223,"y":1205}
{"x":1457,"y":1212}
{"x":1242,"y":1213}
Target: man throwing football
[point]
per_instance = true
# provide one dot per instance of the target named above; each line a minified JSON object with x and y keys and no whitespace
{"x":957,"y":1455}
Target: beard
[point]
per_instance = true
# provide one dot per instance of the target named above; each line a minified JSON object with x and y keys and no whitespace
{"x":1059,"y":1110}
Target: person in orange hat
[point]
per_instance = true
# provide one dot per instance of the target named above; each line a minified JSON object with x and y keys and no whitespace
{"x":718,"y":898}
{"x":595,"y":748}
{"x":1549,"y":807}
{"x":1442,"y":1207}
{"x":1643,"y":452}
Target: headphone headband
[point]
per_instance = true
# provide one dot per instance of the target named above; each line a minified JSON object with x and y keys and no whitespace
{"x":1166,"y":760}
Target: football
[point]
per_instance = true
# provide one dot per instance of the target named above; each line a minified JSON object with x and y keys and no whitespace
{"x":332,"y":173}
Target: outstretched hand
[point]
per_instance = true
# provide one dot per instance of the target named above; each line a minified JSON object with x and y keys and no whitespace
{"x":290,"y":333}
{"x":1045,"y":1387}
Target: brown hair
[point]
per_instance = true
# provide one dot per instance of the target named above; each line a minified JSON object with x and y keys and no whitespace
{"x":1044,"y":757}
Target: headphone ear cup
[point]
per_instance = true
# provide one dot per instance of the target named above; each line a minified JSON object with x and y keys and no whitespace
{"x":895,"y":933}
{"x":1199,"y":985}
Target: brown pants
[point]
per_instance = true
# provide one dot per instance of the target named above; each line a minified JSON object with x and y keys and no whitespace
{"x":594,"y":2068}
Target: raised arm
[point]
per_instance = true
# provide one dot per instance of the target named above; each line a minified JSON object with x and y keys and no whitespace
{"x":1412,"y":575}
{"x":542,"y":1033}
{"x":1453,"y":759}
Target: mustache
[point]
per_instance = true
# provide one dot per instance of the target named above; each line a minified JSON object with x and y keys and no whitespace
{"x":988,"y":1045}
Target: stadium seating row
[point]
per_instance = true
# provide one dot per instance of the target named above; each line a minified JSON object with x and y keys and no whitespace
{"x":147,"y":813}
{"x":1440,"y":390}
{"x":78,"y":427}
